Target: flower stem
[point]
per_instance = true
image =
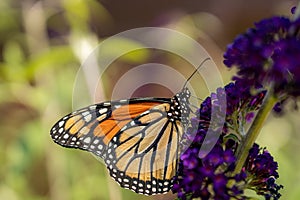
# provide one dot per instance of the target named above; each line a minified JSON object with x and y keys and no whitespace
{"x":254,"y":130}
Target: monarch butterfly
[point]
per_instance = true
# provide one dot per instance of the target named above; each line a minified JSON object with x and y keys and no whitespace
{"x":138,"y":138}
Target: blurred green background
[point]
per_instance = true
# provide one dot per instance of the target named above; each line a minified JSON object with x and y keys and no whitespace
{"x":39,"y":59}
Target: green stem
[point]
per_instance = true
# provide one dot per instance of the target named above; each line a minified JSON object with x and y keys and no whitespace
{"x":254,"y":130}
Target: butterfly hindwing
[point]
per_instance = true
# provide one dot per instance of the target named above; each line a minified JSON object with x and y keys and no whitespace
{"x":143,"y":155}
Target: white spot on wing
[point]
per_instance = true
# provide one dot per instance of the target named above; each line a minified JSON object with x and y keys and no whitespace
{"x":96,"y":141}
{"x":66,"y":136}
{"x":124,"y":127}
{"x":93,"y":107}
{"x":103,"y":110}
{"x":132,"y":123}
{"x":61,"y":123}
{"x":61,"y":130}
{"x":88,"y":118}
{"x":85,"y":113}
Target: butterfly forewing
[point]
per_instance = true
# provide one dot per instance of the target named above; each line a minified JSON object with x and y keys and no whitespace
{"x":91,"y":128}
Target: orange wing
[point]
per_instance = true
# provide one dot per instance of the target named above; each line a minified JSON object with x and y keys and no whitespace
{"x":92,"y":128}
{"x":119,"y":118}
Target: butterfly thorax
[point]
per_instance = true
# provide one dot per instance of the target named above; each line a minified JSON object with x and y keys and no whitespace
{"x":179,"y":109}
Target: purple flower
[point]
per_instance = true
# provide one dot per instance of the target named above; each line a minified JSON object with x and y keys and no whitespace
{"x":212,"y":176}
{"x":262,"y":170}
{"x":268,"y":55}
{"x":240,"y":106}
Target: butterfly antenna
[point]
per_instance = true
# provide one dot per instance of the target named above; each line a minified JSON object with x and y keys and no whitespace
{"x":195,"y":71}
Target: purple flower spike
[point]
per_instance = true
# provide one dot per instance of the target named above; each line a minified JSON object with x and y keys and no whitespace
{"x":268,"y":54}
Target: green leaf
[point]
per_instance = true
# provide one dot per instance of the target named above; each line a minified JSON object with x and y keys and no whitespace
{"x":14,"y":59}
{"x":55,"y":57}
